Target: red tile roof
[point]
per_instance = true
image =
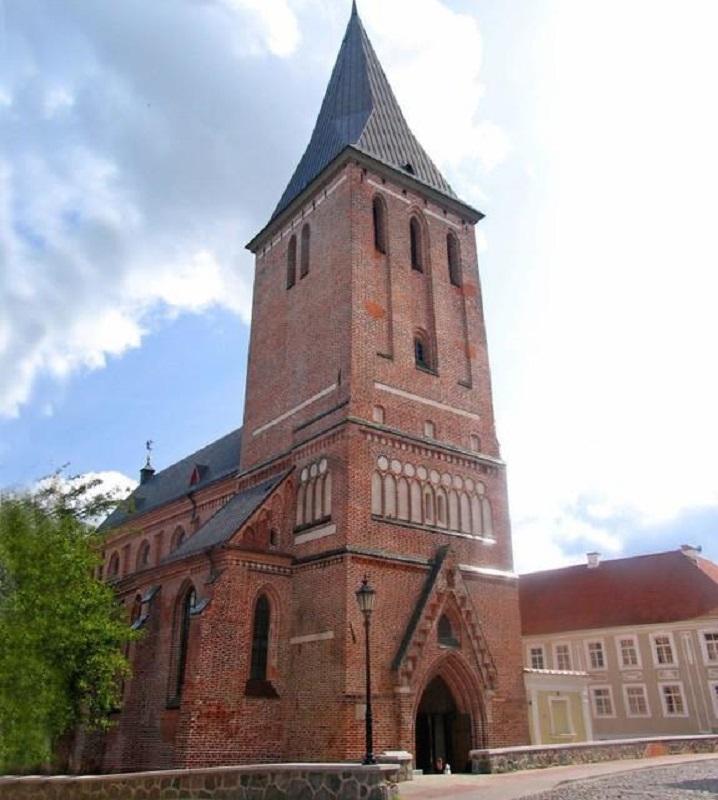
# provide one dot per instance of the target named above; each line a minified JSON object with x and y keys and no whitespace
{"x":663,"y":587}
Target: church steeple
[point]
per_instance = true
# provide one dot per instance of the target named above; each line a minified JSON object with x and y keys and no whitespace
{"x":360,"y":111}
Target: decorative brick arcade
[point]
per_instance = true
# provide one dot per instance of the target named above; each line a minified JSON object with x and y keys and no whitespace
{"x":368,"y":448}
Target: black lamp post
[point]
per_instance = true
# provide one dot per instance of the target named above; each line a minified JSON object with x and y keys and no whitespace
{"x":365,"y":598}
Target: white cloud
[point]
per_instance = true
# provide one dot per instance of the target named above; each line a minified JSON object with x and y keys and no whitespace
{"x":275,"y":19}
{"x":624,"y":393}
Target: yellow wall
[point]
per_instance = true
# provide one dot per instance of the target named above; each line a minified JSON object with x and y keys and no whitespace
{"x":578,"y":727}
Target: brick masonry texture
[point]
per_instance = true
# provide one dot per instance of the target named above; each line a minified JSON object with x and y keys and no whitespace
{"x":288,"y":782}
{"x":335,"y":338}
{"x":536,"y":757}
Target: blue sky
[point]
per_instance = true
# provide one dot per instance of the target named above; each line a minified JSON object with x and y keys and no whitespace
{"x":142,"y":144}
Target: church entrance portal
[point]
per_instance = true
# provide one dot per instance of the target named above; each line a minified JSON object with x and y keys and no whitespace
{"x":443,"y":733}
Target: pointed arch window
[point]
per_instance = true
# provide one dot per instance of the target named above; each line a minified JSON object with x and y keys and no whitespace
{"x":417,"y":251}
{"x":379,"y":215}
{"x":306,"y":243}
{"x":178,"y":538}
{"x":114,"y":567}
{"x":187,"y":605}
{"x":454,"y":259}
{"x":260,"y":639}
{"x":292,"y":262}
{"x":143,"y":555}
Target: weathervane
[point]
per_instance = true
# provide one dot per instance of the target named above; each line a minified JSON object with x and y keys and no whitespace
{"x":148,"y":446}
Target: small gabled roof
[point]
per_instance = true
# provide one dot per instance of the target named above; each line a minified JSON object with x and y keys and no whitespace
{"x":220,"y":528}
{"x":360,"y":111}
{"x":642,"y":590}
{"x":217,"y":460}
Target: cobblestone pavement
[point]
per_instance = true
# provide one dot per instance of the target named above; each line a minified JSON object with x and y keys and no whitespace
{"x":678,"y":782}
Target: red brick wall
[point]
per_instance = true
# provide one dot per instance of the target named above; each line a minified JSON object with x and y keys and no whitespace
{"x":349,"y":322}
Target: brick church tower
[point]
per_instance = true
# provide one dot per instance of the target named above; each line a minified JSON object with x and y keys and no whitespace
{"x":368,"y":448}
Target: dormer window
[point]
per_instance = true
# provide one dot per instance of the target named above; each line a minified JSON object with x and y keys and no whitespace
{"x":198,"y":473}
{"x":408,"y":168}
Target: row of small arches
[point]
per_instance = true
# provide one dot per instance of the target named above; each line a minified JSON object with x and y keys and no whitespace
{"x":409,"y":500}
{"x":416,"y":241}
{"x":314,"y":494}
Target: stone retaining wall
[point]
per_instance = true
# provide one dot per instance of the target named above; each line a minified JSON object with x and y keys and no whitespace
{"x":271,"y":782}
{"x":509,"y":759}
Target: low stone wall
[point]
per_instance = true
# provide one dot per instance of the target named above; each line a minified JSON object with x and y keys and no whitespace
{"x":509,"y":759}
{"x":271,"y":782}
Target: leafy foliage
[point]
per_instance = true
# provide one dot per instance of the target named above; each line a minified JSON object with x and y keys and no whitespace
{"x":62,"y":632}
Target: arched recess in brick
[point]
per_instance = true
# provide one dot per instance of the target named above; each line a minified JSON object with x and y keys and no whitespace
{"x":423,"y":315}
{"x":180,"y":643}
{"x":382,"y":281}
{"x":113,"y":568}
{"x":143,"y":555}
{"x":468,"y":694}
{"x":455,"y":271}
{"x":314,"y":495}
{"x":263,"y":685}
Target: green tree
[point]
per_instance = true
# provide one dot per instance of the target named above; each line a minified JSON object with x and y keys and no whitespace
{"x":62,"y":632}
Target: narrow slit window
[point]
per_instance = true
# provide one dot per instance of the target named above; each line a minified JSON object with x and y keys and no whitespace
{"x":379,"y":214}
{"x":452,"y":248}
{"x":417,"y":255}
{"x":422,"y":356}
{"x":306,"y":242}
{"x":292,"y":262}
{"x":260,"y":640}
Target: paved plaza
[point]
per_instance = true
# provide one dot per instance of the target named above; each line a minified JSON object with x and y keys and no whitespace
{"x":666,"y":778}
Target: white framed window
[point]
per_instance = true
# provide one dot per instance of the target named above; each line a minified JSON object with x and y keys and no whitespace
{"x":673,"y":699}
{"x":562,"y":656}
{"x":636,"y":700}
{"x":595,"y":655}
{"x":629,"y":656}
{"x":664,"y":650}
{"x":709,"y":645}
{"x":537,"y":656}
{"x":560,"y":711}
{"x":713,"y":686}
{"x":602,"y":701}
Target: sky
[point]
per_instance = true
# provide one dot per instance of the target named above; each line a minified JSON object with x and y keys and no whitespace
{"x":143,"y":144}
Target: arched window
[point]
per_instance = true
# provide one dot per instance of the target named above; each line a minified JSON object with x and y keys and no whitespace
{"x":306,"y":236}
{"x":422,"y":355}
{"x":114,"y":566}
{"x":445,"y":633}
{"x":379,"y":215}
{"x":260,"y":640}
{"x":136,"y":612}
{"x":292,"y":262}
{"x":188,"y":603}
{"x":178,"y":538}
{"x":143,"y":555}
{"x":452,"y":251}
{"x":417,"y":254}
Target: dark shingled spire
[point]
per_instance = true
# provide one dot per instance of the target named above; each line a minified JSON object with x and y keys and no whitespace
{"x":360,"y":110}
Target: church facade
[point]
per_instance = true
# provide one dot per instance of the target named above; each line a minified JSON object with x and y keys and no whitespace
{"x":368,"y":448}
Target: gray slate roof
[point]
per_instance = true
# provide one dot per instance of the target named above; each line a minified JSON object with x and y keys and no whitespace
{"x":360,"y":110}
{"x":224,"y":524}
{"x":215,"y":460}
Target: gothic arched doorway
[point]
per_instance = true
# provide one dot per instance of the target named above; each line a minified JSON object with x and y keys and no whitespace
{"x":443,"y":732}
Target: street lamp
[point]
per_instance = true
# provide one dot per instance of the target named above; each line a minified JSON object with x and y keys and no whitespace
{"x":365,"y":599}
